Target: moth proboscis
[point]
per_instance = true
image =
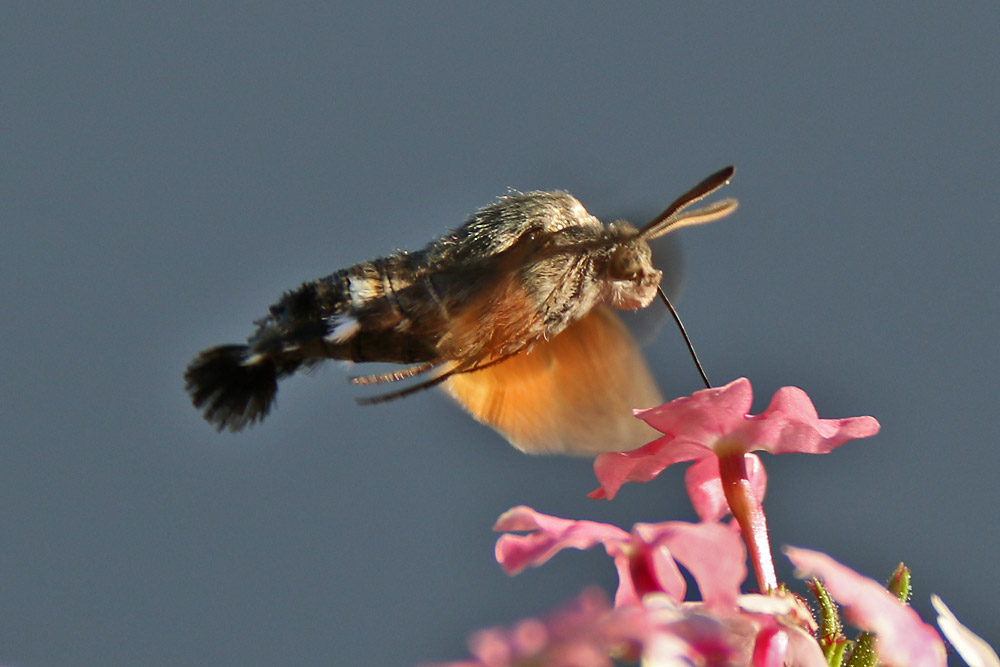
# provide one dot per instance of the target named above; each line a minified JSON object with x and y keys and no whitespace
{"x":510,"y":313}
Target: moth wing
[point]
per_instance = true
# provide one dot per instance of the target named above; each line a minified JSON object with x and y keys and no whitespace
{"x":573,"y":394}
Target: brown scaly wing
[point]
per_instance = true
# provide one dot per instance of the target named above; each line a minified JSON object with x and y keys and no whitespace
{"x":571,"y":395}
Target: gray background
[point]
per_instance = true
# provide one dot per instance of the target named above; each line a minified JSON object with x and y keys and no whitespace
{"x":168,"y":171}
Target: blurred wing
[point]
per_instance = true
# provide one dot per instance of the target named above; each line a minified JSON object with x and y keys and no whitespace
{"x":573,"y":394}
{"x":645,"y":323}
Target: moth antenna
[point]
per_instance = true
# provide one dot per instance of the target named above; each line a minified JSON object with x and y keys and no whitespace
{"x":671,"y":218}
{"x":687,"y":339}
{"x":699,"y":216}
{"x":394,"y":376}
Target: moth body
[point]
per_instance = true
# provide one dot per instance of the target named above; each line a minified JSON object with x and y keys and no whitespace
{"x":513,"y":278}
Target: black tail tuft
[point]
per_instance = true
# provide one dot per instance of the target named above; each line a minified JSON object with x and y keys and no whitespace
{"x":231,"y":391}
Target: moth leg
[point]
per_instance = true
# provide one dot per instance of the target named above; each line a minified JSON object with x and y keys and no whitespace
{"x":394,"y":376}
{"x":412,"y":389}
{"x":456,"y":369}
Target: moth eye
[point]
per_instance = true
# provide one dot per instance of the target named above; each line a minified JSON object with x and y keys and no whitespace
{"x":624,"y":265}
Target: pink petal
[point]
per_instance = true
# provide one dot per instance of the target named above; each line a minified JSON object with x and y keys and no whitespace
{"x":779,"y":645}
{"x":688,"y":634}
{"x":790,"y":424}
{"x":549,"y":536}
{"x":711,"y":552}
{"x":626,"y":595}
{"x":582,"y":632}
{"x":614,"y":469}
{"x":651,"y":566}
{"x":778,"y":606}
{"x":704,"y":486}
{"x":903,"y":639}
{"x":644,"y":559}
{"x":785,"y":630}
{"x":715,"y":422}
{"x":770,"y":648}
{"x":803,"y":649}
{"x":704,"y":415}
{"x":492,"y":647}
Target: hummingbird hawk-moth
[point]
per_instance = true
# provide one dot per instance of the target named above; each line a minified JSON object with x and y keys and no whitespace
{"x":509,"y":313}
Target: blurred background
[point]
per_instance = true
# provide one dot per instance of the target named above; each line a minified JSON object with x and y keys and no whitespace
{"x":168,"y":170}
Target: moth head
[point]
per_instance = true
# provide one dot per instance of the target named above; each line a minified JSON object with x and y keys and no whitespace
{"x":631,"y":276}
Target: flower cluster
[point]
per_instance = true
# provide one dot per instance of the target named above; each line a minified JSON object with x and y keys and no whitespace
{"x":655,"y":619}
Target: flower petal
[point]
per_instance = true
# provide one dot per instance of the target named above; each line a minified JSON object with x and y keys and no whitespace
{"x":973,"y":649}
{"x":777,"y":646}
{"x":584,"y":631}
{"x":614,"y":469}
{"x":790,"y":424}
{"x":688,"y":634}
{"x":704,"y":415}
{"x":711,"y":552}
{"x":549,"y":536}
{"x":715,"y":422}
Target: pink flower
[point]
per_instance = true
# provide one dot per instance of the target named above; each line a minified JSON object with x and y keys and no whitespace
{"x":902,"y":638}
{"x":784,"y":631}
{"x":713,"y":428}
{"x":587,"y":631}
{"x":688,"y":634}
{"x":764,"y":631}
{"x":646,"y":558}
{"x":715,"y":423}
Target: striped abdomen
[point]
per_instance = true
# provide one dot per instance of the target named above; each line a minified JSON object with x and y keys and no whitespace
{"x":384,"y":310}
